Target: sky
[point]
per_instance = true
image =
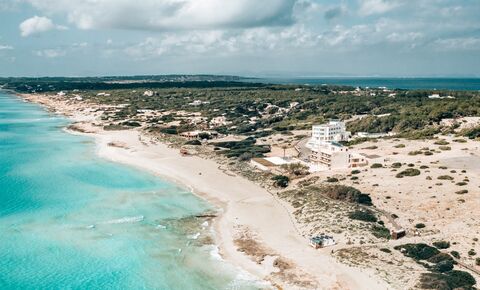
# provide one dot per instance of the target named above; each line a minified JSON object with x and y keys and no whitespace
{"x":282,"y":38}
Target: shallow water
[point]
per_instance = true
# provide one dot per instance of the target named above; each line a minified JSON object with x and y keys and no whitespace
{"x":71,"y":220}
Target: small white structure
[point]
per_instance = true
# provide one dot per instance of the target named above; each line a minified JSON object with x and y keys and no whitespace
{"x":61,"y":94}
{"x":148,"y":93}
{"x":219,"y":121}
{"x":322,"y":241}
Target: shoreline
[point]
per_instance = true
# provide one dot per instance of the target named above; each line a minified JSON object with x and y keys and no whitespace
{"x":245,"y":209}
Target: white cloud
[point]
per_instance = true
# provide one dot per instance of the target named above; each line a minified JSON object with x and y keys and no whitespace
{"x":36,"y":25}
{"x":223,"y":42}
{"x":404,"y":37}
{"x":455,"y":44}
{"x":51,"y":53}
{"x":167,"y":15}
{"x":6,"y":47}
{"x":370,"y":7}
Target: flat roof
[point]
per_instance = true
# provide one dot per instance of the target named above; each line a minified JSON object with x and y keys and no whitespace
{"x":263,"y":162}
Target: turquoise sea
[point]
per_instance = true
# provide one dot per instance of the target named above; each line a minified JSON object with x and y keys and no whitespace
{"x":70,"y":220}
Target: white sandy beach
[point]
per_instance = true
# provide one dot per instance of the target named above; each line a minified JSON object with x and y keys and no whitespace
{"x":245,"y":207}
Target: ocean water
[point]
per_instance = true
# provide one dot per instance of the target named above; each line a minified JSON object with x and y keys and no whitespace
{"x":70,"y":220}
{"x":467,"y":84}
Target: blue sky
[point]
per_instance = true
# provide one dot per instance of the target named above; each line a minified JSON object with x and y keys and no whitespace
{"x":242,"y":37}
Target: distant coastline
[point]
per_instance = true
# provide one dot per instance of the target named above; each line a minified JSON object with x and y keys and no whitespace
{"x":408,"y":83}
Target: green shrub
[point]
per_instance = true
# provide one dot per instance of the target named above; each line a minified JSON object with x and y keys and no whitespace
{"x":408,"y":172}
{"x":455,"y":254}
{"x":356,"y":171}
{"x":472,"y":252}
{"x":450,"y":280}
{"x":380,"y":232}
{"x":418,"y":251}
{"x":444,"y":266}
{"x":396,"y":165}
{"x":461,"y":183}
{"x":420,"y":226}
{"x":445,"y":148}
{"x":354,"y":178}
{"x":445,"y":177}
{"x":332,"y":179}
{"x":441,"y":244}
{"x":363,"y":215}
{"x":245,"y":156}
{"x":440,"y":257}
{"x":441,"y":142}
{"x":477,"y":261}
{"x":376,"y":165}
{"x":385,"y":250}
{"x":371,"y":147}
{"x":281,"y":180}
{"x":463,"y":191}
{"x":193,"y":142}
{"x":345,"y":193}
{"x":399,"y":146}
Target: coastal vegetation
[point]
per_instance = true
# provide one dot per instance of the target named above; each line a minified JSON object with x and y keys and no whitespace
{"x":255,"y":109}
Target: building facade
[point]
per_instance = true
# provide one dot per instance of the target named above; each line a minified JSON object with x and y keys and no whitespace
{"x":332,"y":131}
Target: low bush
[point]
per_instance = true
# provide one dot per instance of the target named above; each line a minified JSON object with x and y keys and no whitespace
{"x":418,"y":251}
{"x":420,"y":226}
{"x":445,"y":148}
{"x":363,"y":215}
{"x":396,"y":165}
{"x":399,"y":146}
{"x":385,"y":250}
{"x":445,"y":177}
{"x":376,"y":165}
{"x":408,"y":172}
{"x":441,"y":244}
{"x":356,"y":171}
{"x":441,"y":142}
{"x":281,"y":180}
{"x":444,"y":266}
{"x":455,"y":254}
{"x":380,"y":232}
{"x":193,"y":142}
{"x":345,"y":193}
{"x":463,"y":191}
{"x":450,"y":280}
{"x":332,"y":179}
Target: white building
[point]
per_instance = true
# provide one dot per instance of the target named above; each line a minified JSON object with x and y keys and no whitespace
{"x":330,"y":155}
{"x":332,"y":131}
{"x":327,"y":153}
